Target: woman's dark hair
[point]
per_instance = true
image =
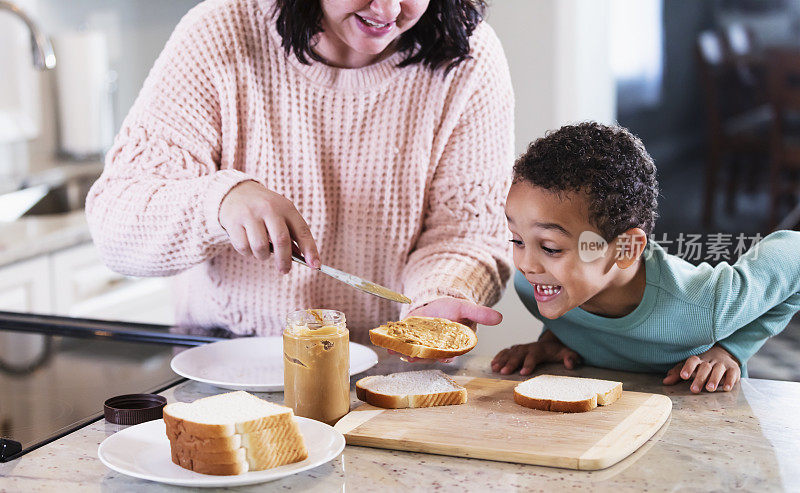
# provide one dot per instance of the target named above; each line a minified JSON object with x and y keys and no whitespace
{"x":439,"y":38}
{"x":608,"y":163}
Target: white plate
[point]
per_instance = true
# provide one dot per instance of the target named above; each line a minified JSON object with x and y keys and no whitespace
{"x":250,"y":363}
{"x":142,"y":451}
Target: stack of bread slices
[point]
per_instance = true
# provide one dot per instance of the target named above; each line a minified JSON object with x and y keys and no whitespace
{"x":232,"y":433}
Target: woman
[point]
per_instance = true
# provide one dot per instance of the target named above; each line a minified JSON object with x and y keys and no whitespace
{"x":376,"y":135}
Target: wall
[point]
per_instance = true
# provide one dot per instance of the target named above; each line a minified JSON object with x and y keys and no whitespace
{"x":558,"y":54}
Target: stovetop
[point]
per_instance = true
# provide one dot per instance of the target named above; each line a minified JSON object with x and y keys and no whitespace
{"x":56,"y":372}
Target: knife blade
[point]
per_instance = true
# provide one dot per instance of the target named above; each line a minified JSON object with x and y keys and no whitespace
{"x":356,"y":282}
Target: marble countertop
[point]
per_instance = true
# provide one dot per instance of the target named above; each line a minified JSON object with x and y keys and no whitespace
{"x":29,"y":237}
{"x":746,"y":439}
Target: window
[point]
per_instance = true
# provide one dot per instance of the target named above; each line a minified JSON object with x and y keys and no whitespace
{"x":637,"y":52}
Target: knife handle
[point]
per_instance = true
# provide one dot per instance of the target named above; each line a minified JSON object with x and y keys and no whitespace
{"x":296,"y":256}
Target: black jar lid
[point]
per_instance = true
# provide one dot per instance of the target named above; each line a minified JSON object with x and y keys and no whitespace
{"x":132,"y":409}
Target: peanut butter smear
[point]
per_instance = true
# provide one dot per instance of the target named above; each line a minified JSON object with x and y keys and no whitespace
{"x":436,"y":333}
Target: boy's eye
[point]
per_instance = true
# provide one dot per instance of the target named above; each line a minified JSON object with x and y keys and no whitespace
{"x":550,"y":251}
{"x":516,"y":242}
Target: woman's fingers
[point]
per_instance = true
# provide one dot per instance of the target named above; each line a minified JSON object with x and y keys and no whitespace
{"x":281,"y":242}
{"x":472,"y":313}
{"x":258,"y":239}
{"x":703,"y":371}
{"x":238,"y":236}
{"x":301,"y":234}
{"x":716,"y":376}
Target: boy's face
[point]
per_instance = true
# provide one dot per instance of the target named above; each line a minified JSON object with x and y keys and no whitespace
{"x":545,"y":229}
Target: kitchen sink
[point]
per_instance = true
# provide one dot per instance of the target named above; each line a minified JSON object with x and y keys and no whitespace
{"x":57,"y":190}
{"x":67,"y":197}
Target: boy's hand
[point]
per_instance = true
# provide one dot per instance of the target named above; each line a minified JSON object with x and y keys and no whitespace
{"x":548,"y":349}
{"x":708,"y":369}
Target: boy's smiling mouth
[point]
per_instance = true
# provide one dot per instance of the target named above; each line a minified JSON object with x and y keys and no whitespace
{"x":545,"y":292}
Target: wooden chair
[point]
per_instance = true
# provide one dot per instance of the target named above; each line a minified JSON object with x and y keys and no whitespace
{"x":783,"y":68}
{"x":747,"y":57}
{"x":738,"y":126}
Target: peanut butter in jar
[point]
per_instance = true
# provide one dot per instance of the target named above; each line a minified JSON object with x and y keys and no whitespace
{"x":316,"y":362}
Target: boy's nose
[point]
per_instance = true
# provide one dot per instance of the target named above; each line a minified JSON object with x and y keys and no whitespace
{"x":530,"y":265}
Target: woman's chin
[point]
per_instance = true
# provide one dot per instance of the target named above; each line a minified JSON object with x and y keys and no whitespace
{"x":371,"y":49}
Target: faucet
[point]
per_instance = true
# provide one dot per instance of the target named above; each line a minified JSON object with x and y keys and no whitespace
{"x":43,"y":56}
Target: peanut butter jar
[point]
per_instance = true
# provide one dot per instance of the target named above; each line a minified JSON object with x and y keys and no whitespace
{"x":316,"y":362}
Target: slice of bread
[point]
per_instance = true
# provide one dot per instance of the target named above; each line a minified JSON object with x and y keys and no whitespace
{"x":566,"y":394}
{"x":233,"y":442}
{"x":423,"y":388}
{"x":425,"y":337}
{"x":232,"y":433}
{"x":217,"y":469}
{"x":224,"y":415}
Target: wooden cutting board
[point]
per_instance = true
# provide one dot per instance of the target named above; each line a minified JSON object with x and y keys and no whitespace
{"x":492,"y":426}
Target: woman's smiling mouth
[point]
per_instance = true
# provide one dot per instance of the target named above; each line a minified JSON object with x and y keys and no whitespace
{"x":374,"y":27}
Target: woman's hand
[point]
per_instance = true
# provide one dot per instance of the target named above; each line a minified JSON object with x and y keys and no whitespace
{"x":708,"y":369}
{"x":457,"y":310}
{"x":548,"y":349}
{"x":255,"y":217}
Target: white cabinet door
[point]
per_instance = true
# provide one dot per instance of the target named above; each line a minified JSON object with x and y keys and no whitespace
{"x":25,"y":286}
{"x":78,"y":275}
{"x":84,"y":287}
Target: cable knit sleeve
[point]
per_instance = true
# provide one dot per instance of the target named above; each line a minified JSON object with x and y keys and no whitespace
{"x":463,"y":249}
{"x":154,"y":211}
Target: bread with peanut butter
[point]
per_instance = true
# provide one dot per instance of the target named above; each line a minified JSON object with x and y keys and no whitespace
{"x":425,"y":337}
{"x":421,"y":388}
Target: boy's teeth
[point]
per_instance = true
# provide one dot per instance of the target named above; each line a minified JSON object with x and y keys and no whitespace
{"x":548,"y":289}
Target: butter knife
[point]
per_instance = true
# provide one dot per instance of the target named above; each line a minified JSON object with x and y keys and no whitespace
{"x":356,"y":282}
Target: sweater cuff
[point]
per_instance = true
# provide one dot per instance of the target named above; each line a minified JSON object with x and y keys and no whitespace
{"x":452,"y":279}
{"x":221,"y":183}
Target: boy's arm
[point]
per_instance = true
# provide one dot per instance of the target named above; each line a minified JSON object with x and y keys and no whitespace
{"x":744,"y":343}
{"x":765,"y":277}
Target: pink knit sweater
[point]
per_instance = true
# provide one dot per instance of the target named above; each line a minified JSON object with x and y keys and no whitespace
{"x":401,"y":174}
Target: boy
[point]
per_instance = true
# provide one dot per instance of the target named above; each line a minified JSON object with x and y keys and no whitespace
{"x":580,"y":210}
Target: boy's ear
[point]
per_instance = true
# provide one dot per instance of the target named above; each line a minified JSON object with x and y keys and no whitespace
{"x":630,"y":246}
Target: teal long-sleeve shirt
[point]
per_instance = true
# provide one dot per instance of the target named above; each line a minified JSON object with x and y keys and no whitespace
{"x":686,"y":309}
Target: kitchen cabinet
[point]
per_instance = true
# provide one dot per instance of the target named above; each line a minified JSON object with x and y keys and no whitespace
{"x":84,"y":287}
{"x":75,"y":282}
{"x":25,"y":286}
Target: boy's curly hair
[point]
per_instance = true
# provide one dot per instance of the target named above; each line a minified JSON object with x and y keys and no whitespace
{"x":608,"y":163}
